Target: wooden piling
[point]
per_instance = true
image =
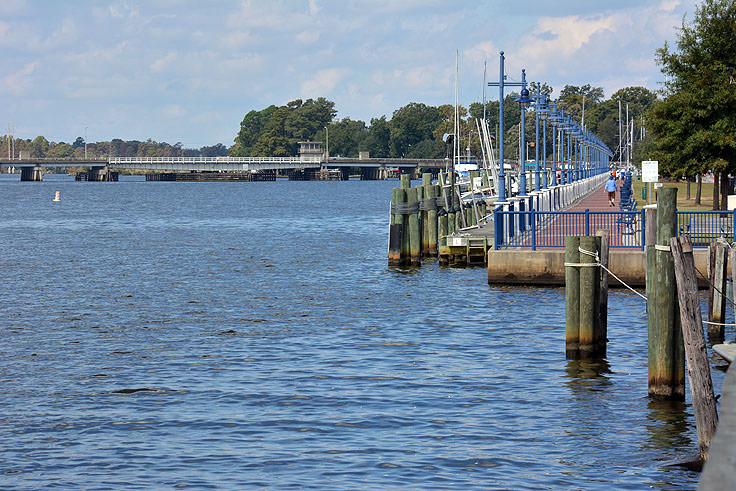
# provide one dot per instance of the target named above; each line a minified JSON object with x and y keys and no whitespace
{"x":718,"y":277}
{"x":413,"y":228}
{"x":396,"y":227}
{"x":603,"y":310}
{"x":698,"y":369}
{"x":589,"y":324}
{"x":572,"y":298}
{"x":432,"y":222}
{"x":426,"y":222}
{"x":666,"y":352}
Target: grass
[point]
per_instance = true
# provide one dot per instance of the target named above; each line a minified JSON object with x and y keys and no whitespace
{"x":683,"y":204}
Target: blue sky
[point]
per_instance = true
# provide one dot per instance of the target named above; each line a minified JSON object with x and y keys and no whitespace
{"x":188,"y":71}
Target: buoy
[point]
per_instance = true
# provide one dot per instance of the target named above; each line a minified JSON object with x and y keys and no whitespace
{"x":57,"y":198}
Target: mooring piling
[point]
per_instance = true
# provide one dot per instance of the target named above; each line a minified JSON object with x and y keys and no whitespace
{"x":718,"y":274}
{"x":572,"y":300}
{"x":666,"y":350}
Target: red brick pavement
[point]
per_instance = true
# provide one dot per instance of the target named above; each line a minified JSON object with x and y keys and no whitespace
{"x":622,"y":234}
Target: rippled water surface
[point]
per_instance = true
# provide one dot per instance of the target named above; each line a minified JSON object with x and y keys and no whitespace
{"x":250,"y":335}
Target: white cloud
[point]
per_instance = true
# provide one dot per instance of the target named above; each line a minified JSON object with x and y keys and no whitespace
{"x":308,"y":37}
{"x":19,"y":83}
{"x":161,"y":64}
{"x":323,"y":82}
{"x":174,"y":111}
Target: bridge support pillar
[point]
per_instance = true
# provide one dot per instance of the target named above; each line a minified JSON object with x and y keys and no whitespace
{"x":369,"y":173}
{"x":97,"y":173}
{"x":31,"y":173}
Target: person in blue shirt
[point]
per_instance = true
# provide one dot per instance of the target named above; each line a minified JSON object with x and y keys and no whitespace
{"x":611,"y":188}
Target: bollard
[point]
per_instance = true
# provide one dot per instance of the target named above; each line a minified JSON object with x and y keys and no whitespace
{"x":426,"y":222}
{"x":589,"y":324}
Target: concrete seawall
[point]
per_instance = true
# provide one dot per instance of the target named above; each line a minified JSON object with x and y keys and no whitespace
{"x":546,"y":267}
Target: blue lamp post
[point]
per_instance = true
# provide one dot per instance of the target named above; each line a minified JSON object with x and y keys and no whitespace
{"x":524,"y":101}
{"x":554,"y":118}
{"x":501,"y":84}
{"x":542,"y":112}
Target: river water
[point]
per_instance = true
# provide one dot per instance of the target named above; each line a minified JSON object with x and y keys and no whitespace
{"x":251,"y":336}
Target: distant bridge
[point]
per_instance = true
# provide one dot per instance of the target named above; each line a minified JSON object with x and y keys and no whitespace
{"x":371,"y":168}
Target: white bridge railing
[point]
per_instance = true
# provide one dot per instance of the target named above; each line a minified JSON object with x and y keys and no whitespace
{"x":214,"y":163}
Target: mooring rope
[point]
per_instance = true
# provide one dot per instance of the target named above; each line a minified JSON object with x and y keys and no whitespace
{"x":597,"y":263}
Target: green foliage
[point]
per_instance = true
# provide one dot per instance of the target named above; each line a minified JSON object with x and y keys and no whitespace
{"x":696,"y":123}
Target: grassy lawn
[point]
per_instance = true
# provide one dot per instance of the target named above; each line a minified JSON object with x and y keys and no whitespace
{"x":683,"y":203}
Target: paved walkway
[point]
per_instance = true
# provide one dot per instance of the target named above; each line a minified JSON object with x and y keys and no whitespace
{"x":625,"y":230}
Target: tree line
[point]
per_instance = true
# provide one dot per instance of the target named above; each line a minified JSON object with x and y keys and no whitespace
{"x":40,"y":147}
{"x":416,"y":130}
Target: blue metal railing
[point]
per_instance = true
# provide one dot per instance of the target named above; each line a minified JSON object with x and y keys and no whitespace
{"x":548,"y":229}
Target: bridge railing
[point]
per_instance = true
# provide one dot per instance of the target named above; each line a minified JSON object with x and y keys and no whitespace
{"x":213,"y":160}
{"x":548,"y":229}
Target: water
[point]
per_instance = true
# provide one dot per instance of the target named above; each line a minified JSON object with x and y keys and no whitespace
{"x":251,"y":336}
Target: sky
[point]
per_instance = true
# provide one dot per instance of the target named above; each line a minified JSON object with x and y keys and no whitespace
{"x":188,"y":71}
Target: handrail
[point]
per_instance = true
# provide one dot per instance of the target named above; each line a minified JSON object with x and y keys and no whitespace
{"x":535,"y":229}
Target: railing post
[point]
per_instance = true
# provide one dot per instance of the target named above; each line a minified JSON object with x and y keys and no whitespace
{"x":642,"y":241}
{"x":587,"y":221}
{"x":534,"y":229}
{"x":498,"y":221}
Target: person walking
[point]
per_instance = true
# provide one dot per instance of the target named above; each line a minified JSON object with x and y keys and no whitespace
{"x":611,"y":188}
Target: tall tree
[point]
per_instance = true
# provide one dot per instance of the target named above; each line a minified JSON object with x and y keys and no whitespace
{"x":698,"y":76}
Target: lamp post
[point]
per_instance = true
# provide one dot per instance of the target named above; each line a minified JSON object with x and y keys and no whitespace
{"x":540,"y":112}
{"x":501,"y":84}
{"x":524,"y":102}
{"x":85,"y":143}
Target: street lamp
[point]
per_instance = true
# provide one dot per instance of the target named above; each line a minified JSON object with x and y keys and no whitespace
{"x":501,"y":84}
{"x":85,"y":143}
{"x":524,"y":102}
{"x":540,"y":112}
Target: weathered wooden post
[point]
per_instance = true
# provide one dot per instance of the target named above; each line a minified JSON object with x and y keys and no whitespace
{"x":396,"y":227}
{"x":424,"y":207}
{"x":589,"y":324}
{"x":432,"y":219}
{"x":604,"y":252}
{"x":718,"y":278}
{"x":405,"y":244}
{"x":414,"y":236}
{"x":698,"y":369}
{"x":666,"y":352}
{"x":572,"y":297}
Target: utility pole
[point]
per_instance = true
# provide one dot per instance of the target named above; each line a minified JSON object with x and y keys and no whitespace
{"x":85,"y":143}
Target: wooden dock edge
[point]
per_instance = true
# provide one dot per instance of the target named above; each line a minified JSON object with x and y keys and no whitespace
{"x":718,"y":472}
{"x":546,"y":267}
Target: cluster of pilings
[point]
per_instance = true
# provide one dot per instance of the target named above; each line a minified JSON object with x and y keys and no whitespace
{"x":424,"y":216}
{"x":586,"y":296}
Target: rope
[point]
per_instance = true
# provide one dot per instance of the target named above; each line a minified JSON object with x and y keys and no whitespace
{"x":428,"y":204}
{"x":404,"y":208}
{"x":598,"y":263}
{"x":718,"y":323}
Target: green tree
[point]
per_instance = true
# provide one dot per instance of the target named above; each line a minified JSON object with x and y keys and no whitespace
{"x":38,"y":147}
{"x":378,"y":140}
{"x":410,"y":125}
{"x":699,"y":95}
